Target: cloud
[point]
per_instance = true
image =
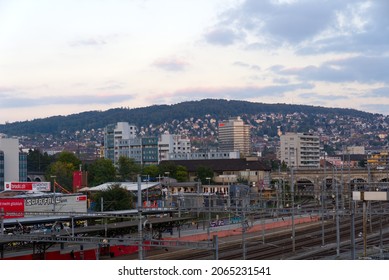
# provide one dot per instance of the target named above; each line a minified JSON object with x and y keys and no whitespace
{"x":377,"y":93}
{"x":233,"y":92}
{"x":20,"y":101}
{"x":322,"y":97}
{"x":111,"y":85}
{"x":306,"y":26}
{"x":94,"y":41}
{"x":88,"y":42}
{"x":246,"y":65}
{"x":171,"y":64}
{"x":223,"y":36}
{"x":381,"y":108}
{"x":363,"y":69}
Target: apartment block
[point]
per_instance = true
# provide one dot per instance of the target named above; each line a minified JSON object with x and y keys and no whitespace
{"x":300,"y":150}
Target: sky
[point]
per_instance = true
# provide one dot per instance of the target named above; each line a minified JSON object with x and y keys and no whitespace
{"x":65,"y":57}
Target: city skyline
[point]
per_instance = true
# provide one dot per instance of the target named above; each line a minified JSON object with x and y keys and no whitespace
{"x":60,"y":58}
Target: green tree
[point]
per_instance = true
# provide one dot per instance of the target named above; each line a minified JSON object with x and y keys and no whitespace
{"x":101,"y":171}
{"x":69,"y":157}
{"x":114,"y":198}
{"x":204,"y":172}
{"x":168,"y":168}
{"x":181,"y":173}
{"x":151,"y":170}
{"x":38,"y":162}
{"x":63,"y":174}
{"x":127,"y":169}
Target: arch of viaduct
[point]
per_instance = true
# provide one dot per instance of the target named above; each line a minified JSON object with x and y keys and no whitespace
{"x":314,"y":179}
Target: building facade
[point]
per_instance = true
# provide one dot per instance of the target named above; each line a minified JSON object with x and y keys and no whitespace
{"x":115,"y":135}
{"x":13,"y":163}
{"x":300,"y":150}
{"x":169,"y":144}
{"x":204,"y":155}
{"x":122,"y":139}
{"x":234,"y":135}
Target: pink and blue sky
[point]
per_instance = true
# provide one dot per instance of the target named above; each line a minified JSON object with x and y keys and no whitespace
{"x":64,"y":57}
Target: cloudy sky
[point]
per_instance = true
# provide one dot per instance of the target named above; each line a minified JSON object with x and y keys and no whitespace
{"x":63,"y":57}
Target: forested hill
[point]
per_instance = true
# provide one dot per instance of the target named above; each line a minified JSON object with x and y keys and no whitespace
{"x":159,"y":114}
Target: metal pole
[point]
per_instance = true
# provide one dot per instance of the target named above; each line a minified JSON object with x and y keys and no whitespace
{"x":72,"y":226}
{"x":216,"y":246}
{"x":352,"y":233}
{"x":364,"y":230}
{"x":293,"y":228}
{"x":243,"y":234}
{"x":352,"y":206}
{"x":209,"y":217}
{"x":140,"y":233}
{"x":2,"y":221}
{"x":324,"y":188}
{"x":337,"y":219}
{"x":381,"y":242}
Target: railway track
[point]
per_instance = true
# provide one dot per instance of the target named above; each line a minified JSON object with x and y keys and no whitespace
{"x":278,"y":245}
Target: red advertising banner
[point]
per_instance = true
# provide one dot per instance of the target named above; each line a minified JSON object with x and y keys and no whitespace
{"x":77,"y":180}
{"x":27,"y":186}
{"x":12,"y":207}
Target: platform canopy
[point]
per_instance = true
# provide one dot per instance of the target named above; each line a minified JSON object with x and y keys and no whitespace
{"x":129,"y":186}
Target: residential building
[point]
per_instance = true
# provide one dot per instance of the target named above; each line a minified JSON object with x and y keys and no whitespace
{"x":170,"y":144}
{"x":13,"y":163}
{"x":121,"y":139}
{"x":301,"y":150}
{"x":234,"y":135}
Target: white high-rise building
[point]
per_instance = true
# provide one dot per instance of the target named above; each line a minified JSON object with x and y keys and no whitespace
{"x":300,"y":150}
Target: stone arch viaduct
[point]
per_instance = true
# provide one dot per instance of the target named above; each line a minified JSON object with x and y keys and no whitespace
{"x":346,"y":179}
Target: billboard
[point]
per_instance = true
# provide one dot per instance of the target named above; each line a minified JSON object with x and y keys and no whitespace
{"x":20,"y":207}
{"x":57,"y":203}
{"x":27,"y":186}
{"x":12,"y":207}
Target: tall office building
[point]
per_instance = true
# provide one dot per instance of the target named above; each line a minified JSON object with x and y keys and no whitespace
{"x":13,"y":163}
{"x":234,"y":135}
{"x":300,"y":150}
